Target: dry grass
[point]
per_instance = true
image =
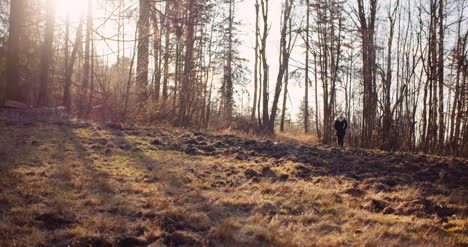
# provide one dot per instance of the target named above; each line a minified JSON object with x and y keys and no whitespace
{"x":291,"y":136}
{"x":113,"y":185}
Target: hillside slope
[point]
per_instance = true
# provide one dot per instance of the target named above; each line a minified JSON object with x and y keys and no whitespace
{"x":80,"y":184}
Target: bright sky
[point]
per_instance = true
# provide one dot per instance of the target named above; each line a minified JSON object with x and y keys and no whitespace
{"x":74,"y":8}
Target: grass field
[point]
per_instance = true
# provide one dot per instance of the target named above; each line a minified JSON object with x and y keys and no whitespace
{"x":75,"y":184}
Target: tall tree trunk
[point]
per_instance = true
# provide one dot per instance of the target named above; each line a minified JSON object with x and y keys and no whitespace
{"x":142,"y":58}
{"x":70,"y":63}
{"x":283,"y":63}
{"x":129,"y":80}
{"x":86,"y":67}
{"x":335,"y":58}
{"x":319,"y":133}
{"x":66,"y":88}
{"x":260,"y":92}
{"x":265,"y":10}
{"x":257,"y":33}
{"x":387,"y":84}
{"x":228,"y":71}
{"x":167,"y":31}
{"x":91,"y":79}
{"x":15,"y":86}
{"x":458,"y":60}
{"x":432,"y":59}
{"x":324,"y":57}
{"x":188,"y":65}
{"x":285,"y":96}
{"x":46,"y":54}
{"x":208,"y":110}
{"x":462,"y":104}
{"x":157,"y":57}
{"x":441,"y":77}
{"x":176,"y":73}
{"x":367,"y":29}
{"x":306,"y":80}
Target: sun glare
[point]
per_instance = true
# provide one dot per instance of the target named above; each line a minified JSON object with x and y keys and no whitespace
{"x":74,"y":8}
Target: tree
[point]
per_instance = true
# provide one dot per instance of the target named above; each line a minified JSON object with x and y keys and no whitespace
{"x":157,"y":54}
{"x":228,"y":71}
{"x":167,"y":34}
{"x":306,"y":79}
{"x":16,"y":88}
{"x":45,"y":54}
{"x":256,"y":65}
{"x":264,"y":120}
{"x":84,"y":90}
{"x":458,"y":123}
{"x":143,"y":46}
{"x":327,"y":58}
{"x":403,"y":87}
{"x":285,"y":52}
{"x":285,"y":96}
{"x":387,"y":119}
{"x":188,"y":62}
{"x":440,"y":73}
{"x":367,"y":30}
{"x":70,"y":61}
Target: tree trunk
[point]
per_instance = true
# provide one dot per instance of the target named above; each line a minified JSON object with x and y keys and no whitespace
{"x":459,"y":61}
{"x":91,"y":80}
{"x":367,"y":29}
{"x":15,"y":86}
{"x":306,"y":80}
{"x":257,"y":33}
{"x":319,"y":133}
{"x":166,"y":52}
{"x":285,"y":96}
{"x":66,"y":88}
{"x":441,"y":77}
{"x":86,"y":67}
{"x":228,"y":71}
{"x":387,"y":84}
{"x":323,"y":61}
{"x":283,"y":63}
{"x":46,"y":54}
{"x":142,"y":58}
{"x":70,"y":63}
{"x":188,"y":65}
{"x":157,"y":57}
{"x":265,"y":116}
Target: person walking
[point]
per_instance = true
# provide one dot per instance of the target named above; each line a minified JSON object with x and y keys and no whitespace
{"x":340,"y":126}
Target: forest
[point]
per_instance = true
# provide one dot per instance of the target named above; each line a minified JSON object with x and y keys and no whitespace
{"x":212,"y":123}
{"x":186,"y":64}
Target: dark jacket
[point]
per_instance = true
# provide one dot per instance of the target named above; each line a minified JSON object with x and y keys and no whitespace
{"x":340,"y":127}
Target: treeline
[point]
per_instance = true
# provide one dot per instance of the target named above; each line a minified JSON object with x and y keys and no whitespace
{"x":397,"y":69}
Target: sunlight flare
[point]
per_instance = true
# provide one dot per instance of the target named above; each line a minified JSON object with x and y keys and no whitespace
{"x":74,"y":8}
